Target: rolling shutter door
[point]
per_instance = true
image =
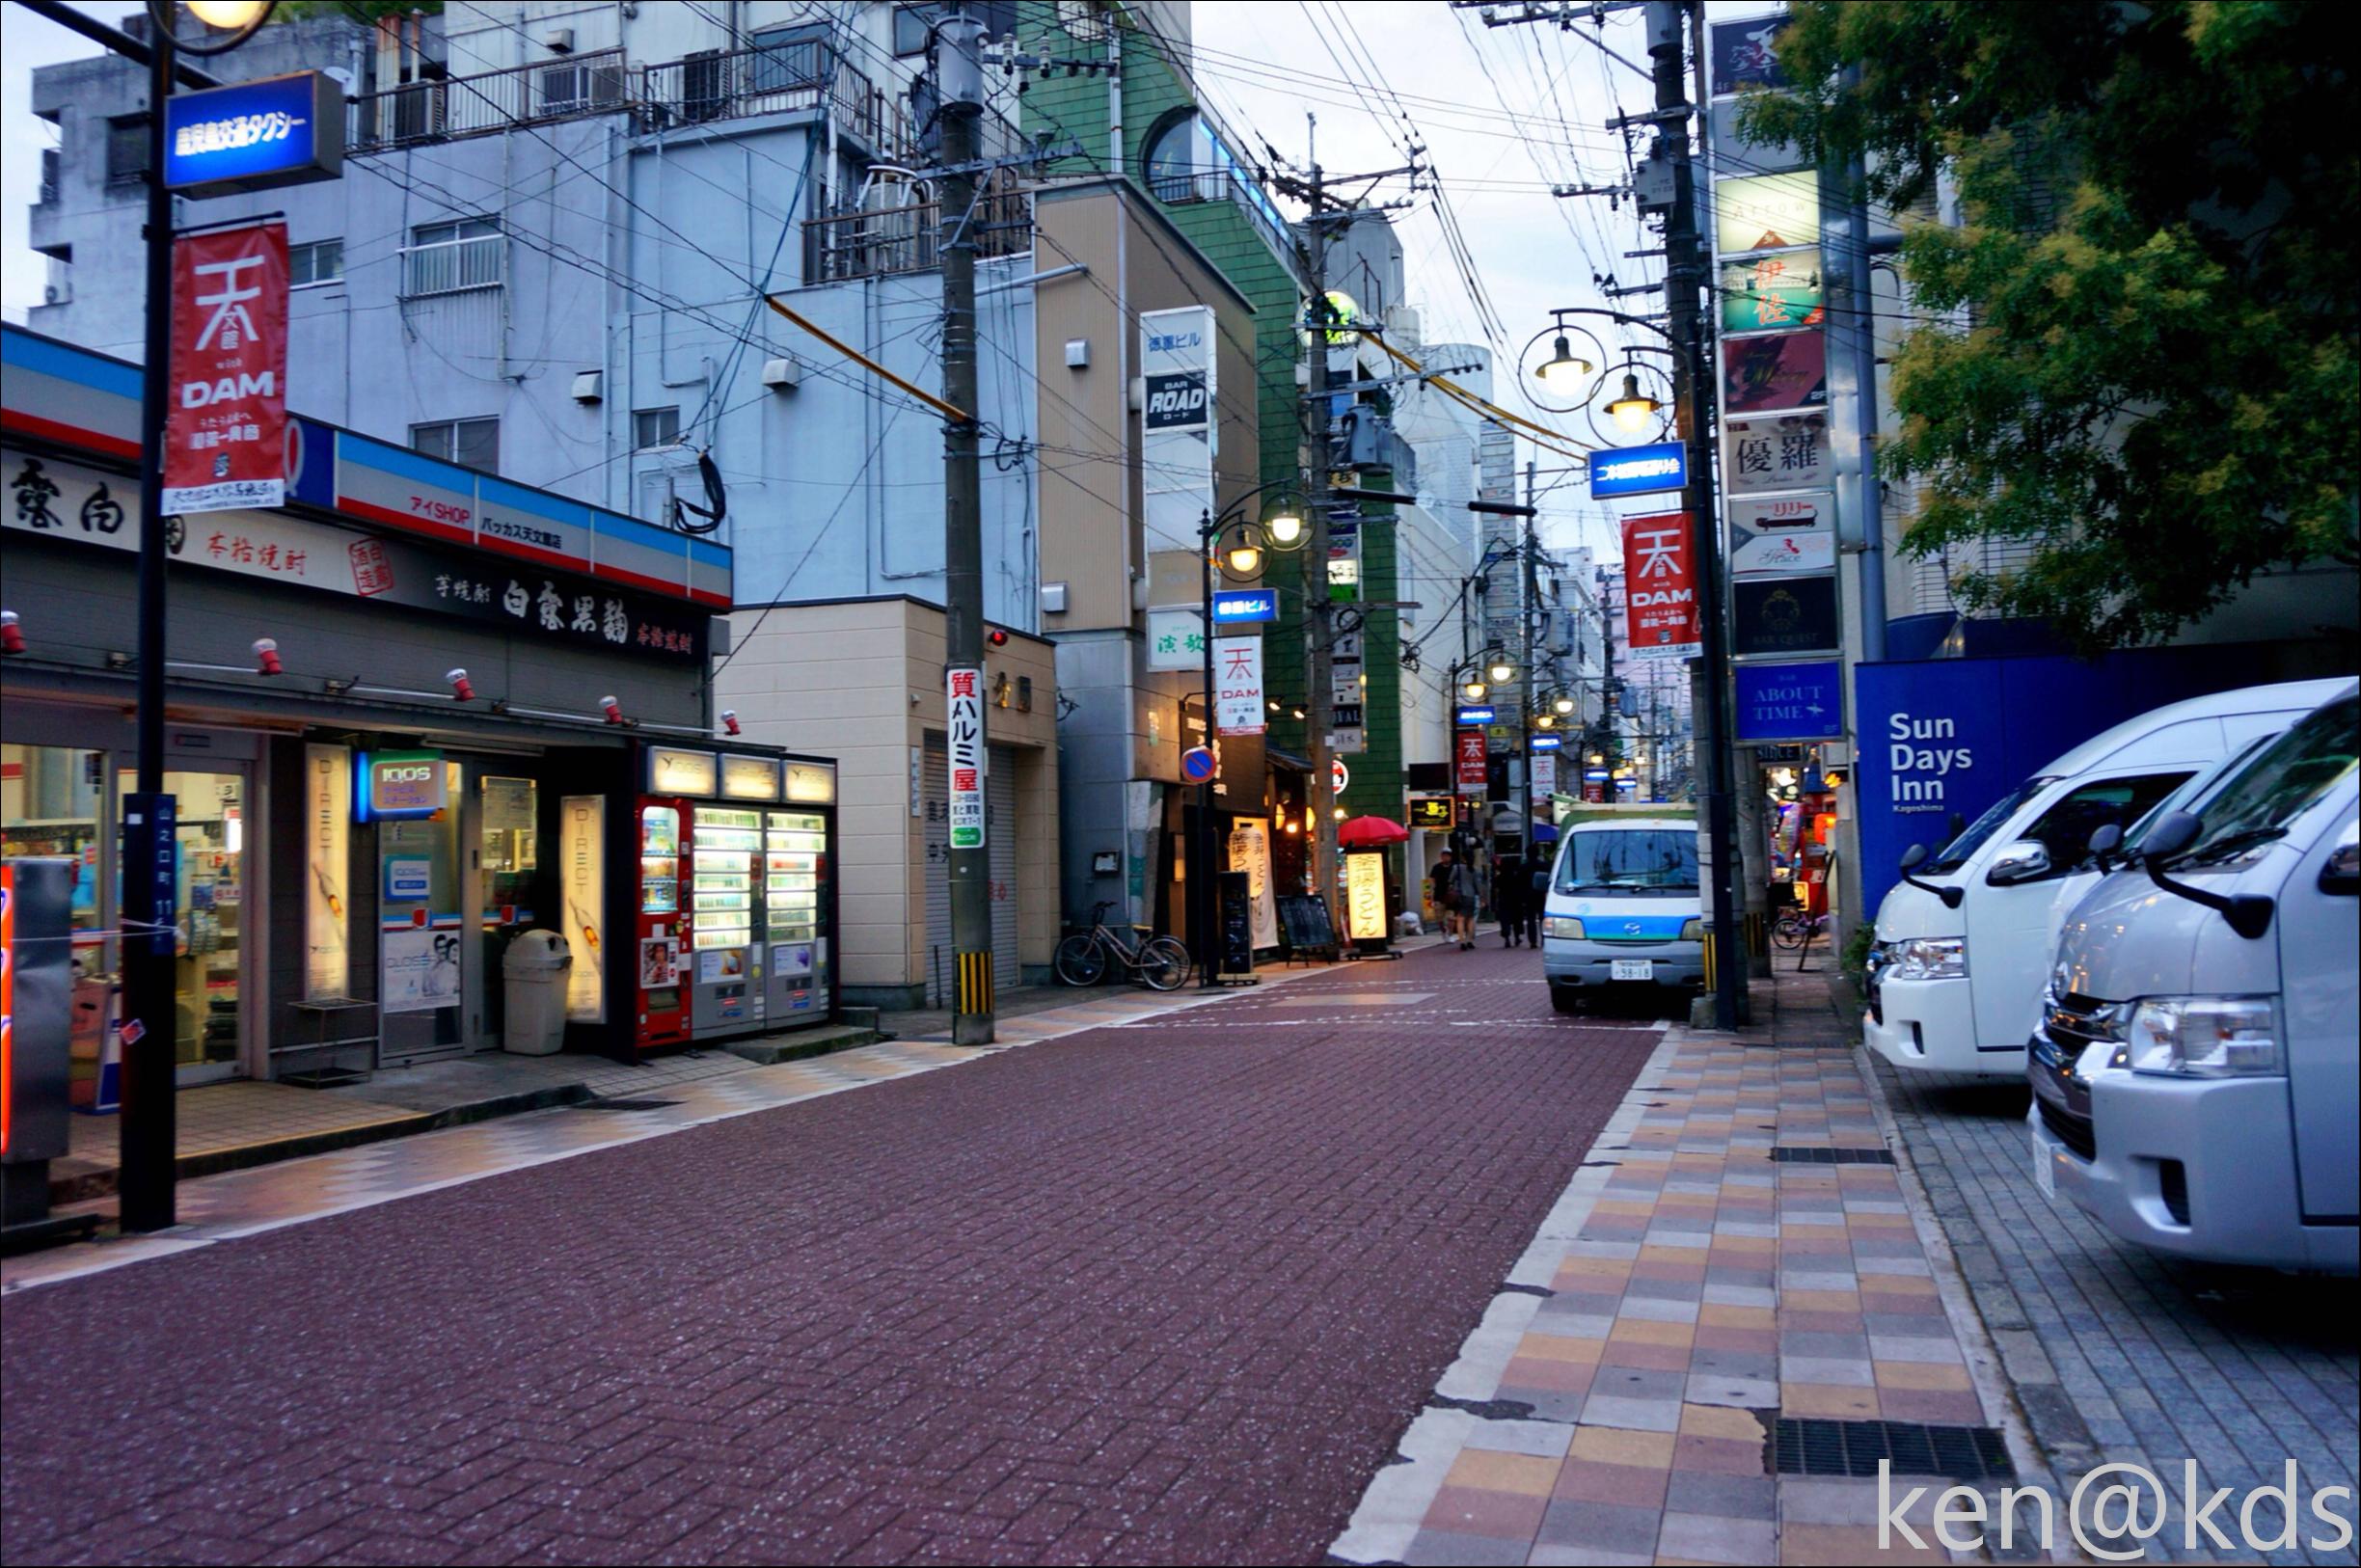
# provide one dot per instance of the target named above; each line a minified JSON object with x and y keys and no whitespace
{"x":936,"y":795}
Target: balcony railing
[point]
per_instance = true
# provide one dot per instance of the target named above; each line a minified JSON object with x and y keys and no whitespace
{"x":772,"y":79}
{"x":879,"y":243}
{"x":545,"y":90}
{"x":453,"y":266}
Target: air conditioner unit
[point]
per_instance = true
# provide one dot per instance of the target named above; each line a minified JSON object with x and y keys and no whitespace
{"x":558,"y":41}
{"x":782,"y":374}
{"x":52,"y":294}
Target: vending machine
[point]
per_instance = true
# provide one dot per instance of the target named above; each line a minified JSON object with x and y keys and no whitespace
{"x":662,"y":926}
{"x":794,"y":915}
{"x":725,"y":990}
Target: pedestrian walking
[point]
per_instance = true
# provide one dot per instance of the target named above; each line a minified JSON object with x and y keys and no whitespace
{"x":1456,"y":895}
{"x":1508,"y":879}
{"x":1536,"y":894}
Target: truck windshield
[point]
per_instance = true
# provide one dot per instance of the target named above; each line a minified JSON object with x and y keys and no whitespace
{"x":1955,"y":855}
{"x":1629,"y":860}
{"x":2282,"y":781}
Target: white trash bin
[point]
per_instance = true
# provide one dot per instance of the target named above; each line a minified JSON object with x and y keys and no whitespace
{"x":535,"y":968}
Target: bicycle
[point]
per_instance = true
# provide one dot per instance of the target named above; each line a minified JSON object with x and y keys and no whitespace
{"x":1793,"y":929}
{"x":1160,"y":964}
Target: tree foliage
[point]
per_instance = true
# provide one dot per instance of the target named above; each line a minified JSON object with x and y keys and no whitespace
{"x":2155,"y":384}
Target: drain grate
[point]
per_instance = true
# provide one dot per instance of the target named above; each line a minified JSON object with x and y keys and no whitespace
{"x":627,"y":1104}
{"x":1795,"y":1154}
{"x":1823,"y":1447}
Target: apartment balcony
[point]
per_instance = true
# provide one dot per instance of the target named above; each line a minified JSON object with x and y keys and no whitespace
{"x":882,"y":241}
{"x":448,"y":108}
{"x":779,"y":78}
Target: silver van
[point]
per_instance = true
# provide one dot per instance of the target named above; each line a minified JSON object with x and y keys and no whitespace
{"x":2197,"y":1068}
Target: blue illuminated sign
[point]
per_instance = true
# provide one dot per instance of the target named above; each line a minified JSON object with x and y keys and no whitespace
{"x":1471,"y":717}
{"x":1238,"y":607}
{"x":1598,"y":772}
{"x":1639,"y":471}
{"x":1791,"y":702}
{"x":1548,"y":743}
{"x":250,"y":136}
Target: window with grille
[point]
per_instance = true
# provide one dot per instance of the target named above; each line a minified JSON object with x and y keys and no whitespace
{"x":788,"y":57}
{"x":654,"y":427}
{"x":447,"y":257}
{"x":473,"y":442}
{"x":573,"y":86}
{"x":321,"y":262}
{"x":126,"y":150}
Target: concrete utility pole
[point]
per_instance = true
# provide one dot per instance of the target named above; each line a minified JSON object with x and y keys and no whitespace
{"x":1529,"y":686}
{"x":959,"y":77}
{"x":1683,"y":278}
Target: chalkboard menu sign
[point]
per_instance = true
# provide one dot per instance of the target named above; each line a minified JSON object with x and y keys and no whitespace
{"x":1235,"y":930}
{"x":1304,"y":920}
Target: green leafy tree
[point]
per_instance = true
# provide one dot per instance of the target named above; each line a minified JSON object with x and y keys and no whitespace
{"x":2156,"y":381}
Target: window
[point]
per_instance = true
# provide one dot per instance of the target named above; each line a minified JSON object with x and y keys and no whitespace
{"x":573,"y":86}
{"x":2270,"y":792}
{"x":912,"y":23}
{"x":446,"y":257}
{"x":2066,"y":827}
{"x":471,"y":442}
{"x":788,"y":57}
{"x":322,"y":262}
{"x":654,"y":427}
{"x":1629,"y":860}
{"x":126,"y":150}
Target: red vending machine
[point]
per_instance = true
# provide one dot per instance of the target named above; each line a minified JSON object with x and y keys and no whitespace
{"x":662,"y":925}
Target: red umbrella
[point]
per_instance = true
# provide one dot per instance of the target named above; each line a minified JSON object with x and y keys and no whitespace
{"x":1368,"y":833}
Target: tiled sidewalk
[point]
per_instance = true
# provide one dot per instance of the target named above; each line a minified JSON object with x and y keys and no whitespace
{"x":1689,"y":1291}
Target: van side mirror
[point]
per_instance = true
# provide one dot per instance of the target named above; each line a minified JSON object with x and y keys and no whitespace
{"x":2104,"y":839}
{"x":1916,"y":857}
{"x":2249,"y":915}
{"x":2341,"y":872}
{"x":2023,"y":861}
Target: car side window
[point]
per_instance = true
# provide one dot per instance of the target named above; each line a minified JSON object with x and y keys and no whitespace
{"x":2066,"y":827}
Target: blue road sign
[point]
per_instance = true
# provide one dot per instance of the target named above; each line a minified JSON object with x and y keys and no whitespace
{"x":1236,"y":607}
{"x":250,"y":136}
{"x":1548,"y":743}
{"x":1639,"y":471}
{"x":1469,"y":718}
{"x":1197,"y":764}
{"x":1791,"y":702}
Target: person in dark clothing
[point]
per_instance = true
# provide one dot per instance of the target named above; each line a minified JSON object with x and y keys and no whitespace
{"x":1509,"y":896}
{"x":1536,"y":894}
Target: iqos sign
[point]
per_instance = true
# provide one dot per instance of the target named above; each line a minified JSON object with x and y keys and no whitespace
{"x":406,"y":784}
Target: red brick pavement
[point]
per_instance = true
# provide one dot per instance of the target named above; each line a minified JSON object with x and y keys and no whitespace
{"x":1146,"y":1294}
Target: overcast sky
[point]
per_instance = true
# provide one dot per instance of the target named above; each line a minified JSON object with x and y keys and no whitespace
{"x":1502,"y":113}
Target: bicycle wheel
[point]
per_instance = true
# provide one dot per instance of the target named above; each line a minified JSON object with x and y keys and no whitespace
{"x":1079,"y":963}
{"x":1164,"y":963}
{"x":1790,"y":933}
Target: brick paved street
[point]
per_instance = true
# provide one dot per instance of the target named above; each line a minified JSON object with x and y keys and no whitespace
{"x":1170,"y":1290}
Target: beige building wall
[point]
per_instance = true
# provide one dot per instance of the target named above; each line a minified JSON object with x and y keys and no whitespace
{"x":861,"y":681}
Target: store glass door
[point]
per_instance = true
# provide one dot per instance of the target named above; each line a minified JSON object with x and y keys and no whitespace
{"x":208,"y":917}
{"x":507,"y":864}
{"x":424,"y":961}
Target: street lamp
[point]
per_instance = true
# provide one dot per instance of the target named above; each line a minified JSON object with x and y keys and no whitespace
{"x":1562,"y":703}
{"x":1563,"y":371}
{"x":1634,"y":411}
{"x":1500,"y":669}
{"x":1473,"y":690}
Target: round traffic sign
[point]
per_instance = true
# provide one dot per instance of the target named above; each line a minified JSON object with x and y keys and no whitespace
{"x":1339,"y":774}
{"x":1197,"y":764}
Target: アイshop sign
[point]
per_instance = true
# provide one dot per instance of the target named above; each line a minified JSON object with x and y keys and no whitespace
{"x":225,"y":435}
{"x":1661,"y":615}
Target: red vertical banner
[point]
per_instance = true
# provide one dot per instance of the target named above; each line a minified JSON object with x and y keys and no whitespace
{"x":225,"y":436}
{"x":1474,"y":772}
{"x":1662,"y":618}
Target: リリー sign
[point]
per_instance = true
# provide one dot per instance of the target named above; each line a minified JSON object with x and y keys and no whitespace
{"x":250,"y":136}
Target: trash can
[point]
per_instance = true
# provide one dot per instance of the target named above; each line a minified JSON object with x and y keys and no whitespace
{"x":535,"y":968}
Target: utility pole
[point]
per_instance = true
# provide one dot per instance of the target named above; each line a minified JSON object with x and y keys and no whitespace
{"x":960,"y":83}
{"x":1529,"y":684}
{"x":1683,"y":278}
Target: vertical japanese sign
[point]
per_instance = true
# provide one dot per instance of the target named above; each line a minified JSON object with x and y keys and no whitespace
{"x":966,"y":736}
{"x":328,"y":794}
{"x":1177,"y":434}
{"x":1474,"y":769}
{"x":1364,"y":900}
{"x":582,"y":853}
{"x":1237,"y":685}
{"x":224,"y":434}
{"x":1661,"y":619}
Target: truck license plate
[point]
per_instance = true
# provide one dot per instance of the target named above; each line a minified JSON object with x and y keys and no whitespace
{"x":2045,"y":1172}
{"x":1631,"y":969}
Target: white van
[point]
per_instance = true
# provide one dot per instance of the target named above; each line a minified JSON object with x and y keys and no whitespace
{"x":2197,"y":1067}
{"x":1963,"y":941}
{"x":1624,"y":909}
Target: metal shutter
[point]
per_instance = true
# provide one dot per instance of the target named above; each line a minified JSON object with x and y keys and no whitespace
{"x":935,"y":792}
{"x":1000,"y":838}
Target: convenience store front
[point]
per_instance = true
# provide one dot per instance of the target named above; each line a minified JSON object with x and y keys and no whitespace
{"x":446,"y":748}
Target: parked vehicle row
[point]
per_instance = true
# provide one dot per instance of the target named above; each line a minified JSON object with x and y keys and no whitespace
{"x":2160,"y":931}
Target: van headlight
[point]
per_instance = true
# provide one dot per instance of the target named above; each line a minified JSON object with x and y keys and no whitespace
{"x":2205,"y":1036}
{"x":1566,"y":926}
{"x":1692,"y":930}
{"x":1928,"y":958}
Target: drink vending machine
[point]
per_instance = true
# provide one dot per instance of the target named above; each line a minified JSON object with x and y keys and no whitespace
{"x":735,"y":898}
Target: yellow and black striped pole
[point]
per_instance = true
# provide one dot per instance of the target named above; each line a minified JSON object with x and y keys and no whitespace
{"x":975,"y":984}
